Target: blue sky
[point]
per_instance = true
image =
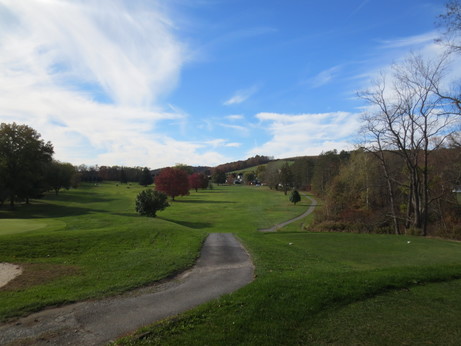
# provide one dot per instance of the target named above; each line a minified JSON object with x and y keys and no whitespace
{"x":199,"y":82}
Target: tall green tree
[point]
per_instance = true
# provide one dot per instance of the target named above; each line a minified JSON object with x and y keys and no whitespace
{"x":303,"y":170}
{"x":219,"y":176}
{"x":123,"y":177}
{"x":146,"y":177}
{"x":286,"y":177}
{"x":60,"y":175}
{"x":23,"y":160}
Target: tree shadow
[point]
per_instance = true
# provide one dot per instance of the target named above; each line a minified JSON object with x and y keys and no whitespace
{"x":40,"y":210}
{"x":80,"y":197}
{"x":198,"y":201}
{"x":189,"y":224}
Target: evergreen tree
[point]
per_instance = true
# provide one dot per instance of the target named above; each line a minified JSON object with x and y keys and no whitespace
{"x":123,"y":177}
{"x":295,"y":197}
{"x":146,"y":178}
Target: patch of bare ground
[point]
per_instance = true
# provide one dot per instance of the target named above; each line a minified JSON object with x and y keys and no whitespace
{"x":34,"y":274}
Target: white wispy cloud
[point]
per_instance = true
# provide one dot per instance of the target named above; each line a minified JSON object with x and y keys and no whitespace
{"x":235,"y":117}
{"x":411,"y":41}
{"x":306,"y":134}
{"x":324,"y":77}
{"x":242,"y":130}
{"x":219,"y":142}
{"x":241,"y":95}
{"x":88,"y":76}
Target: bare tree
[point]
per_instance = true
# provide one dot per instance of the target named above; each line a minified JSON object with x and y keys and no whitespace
{"x":409,"y":119}
{"x":450,"y":20}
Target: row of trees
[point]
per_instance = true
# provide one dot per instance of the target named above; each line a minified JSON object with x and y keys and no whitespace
{"x":27,"y":168}
{"x":95,"y":174}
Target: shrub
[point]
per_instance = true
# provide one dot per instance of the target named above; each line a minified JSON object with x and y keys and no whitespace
{"x":148,"y":202}
{"x":295,"y":197}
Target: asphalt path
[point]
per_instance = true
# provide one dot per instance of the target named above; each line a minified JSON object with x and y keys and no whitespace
{"x":223,"y":267}
{"x":303,"y":215}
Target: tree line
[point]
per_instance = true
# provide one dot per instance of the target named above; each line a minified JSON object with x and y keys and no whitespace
{"x":27,"y":168}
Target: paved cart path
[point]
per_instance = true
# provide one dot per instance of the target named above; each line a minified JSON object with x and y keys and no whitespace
{"x":223,"y":267}
{"x":303,"y":215}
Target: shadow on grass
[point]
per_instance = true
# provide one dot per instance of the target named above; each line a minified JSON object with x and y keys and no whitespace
{"x":193,"y":225}
{"x":198,"y":201}
{"x":38,"y":210}
{"x":127,"y":214}
{"x":80,"y":197}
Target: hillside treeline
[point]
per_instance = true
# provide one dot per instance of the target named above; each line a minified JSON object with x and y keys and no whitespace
{"x":358,"y":196}
{"x":243,"y":164}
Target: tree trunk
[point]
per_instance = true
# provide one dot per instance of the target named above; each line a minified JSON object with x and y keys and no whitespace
{"x":390,"y":190}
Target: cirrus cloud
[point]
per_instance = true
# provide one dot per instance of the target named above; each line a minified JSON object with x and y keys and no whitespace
{"x":89,"y":75}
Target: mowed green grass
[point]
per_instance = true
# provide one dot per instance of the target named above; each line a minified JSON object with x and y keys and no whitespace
{"x":310,"y":288}
{"x":331,"y":288}
{"x":89,"y":242}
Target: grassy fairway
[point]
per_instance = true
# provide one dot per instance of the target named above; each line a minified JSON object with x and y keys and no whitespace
{"x":327,"y":288}
{"x":89,"y":242}
{"x":311,"y":288}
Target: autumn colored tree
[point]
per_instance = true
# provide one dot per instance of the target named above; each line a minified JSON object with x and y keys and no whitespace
{"x":173,"y":182}
{"x":198,"y":181}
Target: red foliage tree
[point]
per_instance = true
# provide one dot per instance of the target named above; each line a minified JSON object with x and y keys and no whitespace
{"x":198,"y":181}
{"x":173,"y":182}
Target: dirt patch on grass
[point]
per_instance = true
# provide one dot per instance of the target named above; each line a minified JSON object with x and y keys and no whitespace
{"x":34,"y":274}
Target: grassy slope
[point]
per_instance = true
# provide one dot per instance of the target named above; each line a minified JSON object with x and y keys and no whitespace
{"x":92,"y":244}
{"x":89,"y":242}
{"x":326,"y":288}
{"x":323,"y":288}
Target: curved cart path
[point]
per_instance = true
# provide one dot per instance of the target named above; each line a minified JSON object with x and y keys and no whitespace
{"x":223,"y":267}
{"x":283,"y":224}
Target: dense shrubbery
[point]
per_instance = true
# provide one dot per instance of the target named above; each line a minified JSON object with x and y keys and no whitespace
{"x":148,"y":202}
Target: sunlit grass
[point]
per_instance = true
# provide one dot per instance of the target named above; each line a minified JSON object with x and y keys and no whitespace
{"x":108,"y":248}
{"x":304,"y":278}
{"x":310,"y":288}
